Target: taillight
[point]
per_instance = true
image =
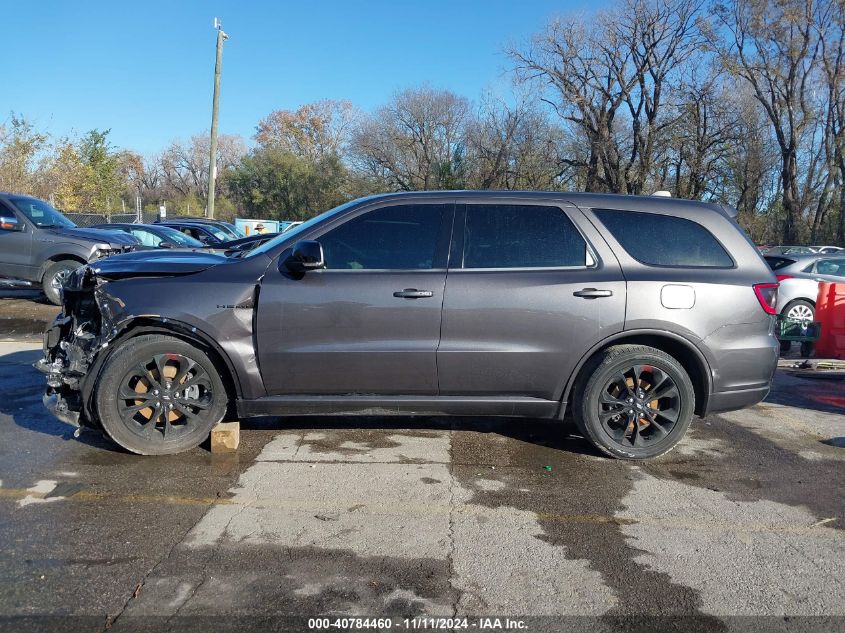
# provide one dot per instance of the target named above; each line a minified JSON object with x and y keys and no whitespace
{"x":782,"y":277}
{"x":767,"y":295}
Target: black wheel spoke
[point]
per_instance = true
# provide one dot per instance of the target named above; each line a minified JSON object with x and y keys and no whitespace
{"x":604,"y":416}
{"x":185,"y":366}
{"x":153,"y":421}
{"x":652,"y":420}
{"x":160,"y":361}
{"x":670,"y":415}
{"x":143,"y":371}
{"x":622,"y":382}
{"x":186,"y":411}
{"x":197,"y":378}
{"x":127,"y":393}
{"x":665,"y":388}
{"x":133,"y":409}
{"x":188,"y":402}
{"x":618,"y":432}
{"x":174,"y":406}
{"x":636,"y":436}
{"x":638,"y":372}
{"x":641,"y":413}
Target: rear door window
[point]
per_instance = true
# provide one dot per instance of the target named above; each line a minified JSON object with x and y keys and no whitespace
{"x":663,"y":240}
{"x":521,"y":236}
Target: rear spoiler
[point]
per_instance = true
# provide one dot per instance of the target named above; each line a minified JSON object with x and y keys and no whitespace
{"x":729,"y":211}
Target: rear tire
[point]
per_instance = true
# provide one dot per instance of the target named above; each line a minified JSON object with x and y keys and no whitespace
{"x":54,"y":276}
{"x":633,"y":402}
{"x":799,"y":310}
{"x":159,"y":395}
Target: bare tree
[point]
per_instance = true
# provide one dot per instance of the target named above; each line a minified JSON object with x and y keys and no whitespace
{"x":832,"y":40}
{"x":513,"y":146}
{"x":774,"y":46}
{"x":184,"y":166}
{"x":415,"y":141}
{"x":313,"y":131}
{"x":610,"y":80}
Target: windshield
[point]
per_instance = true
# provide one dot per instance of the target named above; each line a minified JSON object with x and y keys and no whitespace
{"x":300,"y":228}
{"x":41,"y":214}
{"x":231,"y":228}
{"x":217,"y":232}
{"x":177,"y":237}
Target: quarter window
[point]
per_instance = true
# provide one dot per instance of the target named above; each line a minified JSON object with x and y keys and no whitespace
{"x":663,"y":240}
{"x":402,"y":237}
{"x":521,"y":236}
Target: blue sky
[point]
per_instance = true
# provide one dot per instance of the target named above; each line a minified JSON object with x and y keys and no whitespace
{"x":145,"y":69}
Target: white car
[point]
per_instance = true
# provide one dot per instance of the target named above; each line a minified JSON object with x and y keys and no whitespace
{"x":799,"y":277}
{"x":828,"y":250}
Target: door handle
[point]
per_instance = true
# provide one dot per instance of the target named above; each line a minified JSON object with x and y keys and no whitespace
{"x":592,"y":293}
{"x":413,"y":293}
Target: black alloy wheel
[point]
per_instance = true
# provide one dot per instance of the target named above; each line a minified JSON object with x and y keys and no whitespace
{"x":159,"y":395}
{"x":633,"y":401}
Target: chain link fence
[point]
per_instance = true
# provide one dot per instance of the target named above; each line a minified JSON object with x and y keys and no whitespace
{"x":92,"y":219}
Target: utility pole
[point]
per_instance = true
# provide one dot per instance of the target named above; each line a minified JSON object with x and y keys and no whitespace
{"x":212,"y":163}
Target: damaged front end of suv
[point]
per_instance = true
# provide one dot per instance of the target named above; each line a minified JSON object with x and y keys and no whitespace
{"x":72,"y":343}
{"x":177,"y":295}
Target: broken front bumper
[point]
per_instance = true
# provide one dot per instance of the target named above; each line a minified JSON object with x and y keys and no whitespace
{"x":71,"y":345}
{"x":62,"y":397}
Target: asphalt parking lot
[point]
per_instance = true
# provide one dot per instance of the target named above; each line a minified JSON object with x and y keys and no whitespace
{"x":399,"y":517}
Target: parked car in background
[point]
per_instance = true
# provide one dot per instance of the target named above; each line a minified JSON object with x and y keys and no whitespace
{"x":553,"y":302}
{"x":828,"y":250}
{"x":154,"y":235}
{"x":40,"y":245}
{"x":204,"y":232}
{"x":246,"y":244}
{"x":287,"y":225}
{"x":789,"y":250}
{"x":226,"y":227}
{"x":799,"y":277}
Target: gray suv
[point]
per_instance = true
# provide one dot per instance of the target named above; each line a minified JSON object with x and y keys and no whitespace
{"x":631,"y":313}
{"x":40,"y":245}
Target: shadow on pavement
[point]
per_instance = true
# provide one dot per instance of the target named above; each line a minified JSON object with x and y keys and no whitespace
{"x":550,"y":434}
{"x":824,"y":394}
{"x":22,"y":402}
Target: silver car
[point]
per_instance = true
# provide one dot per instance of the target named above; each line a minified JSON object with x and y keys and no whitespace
{"x":829,"y":250}
{"x":799,"y":277}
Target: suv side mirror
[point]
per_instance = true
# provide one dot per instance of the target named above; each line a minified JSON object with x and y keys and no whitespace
{"x":10,"y":223}
{"x":306,"y":255}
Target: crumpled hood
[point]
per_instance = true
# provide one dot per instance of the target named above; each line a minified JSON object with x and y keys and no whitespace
{"x":157,"y":263}
{"x":92,"y":235}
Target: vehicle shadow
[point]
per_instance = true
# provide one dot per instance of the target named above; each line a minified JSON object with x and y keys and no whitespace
{"x":22,"y":402}
{"x":555,"y":435}
{"x":823,"y":393}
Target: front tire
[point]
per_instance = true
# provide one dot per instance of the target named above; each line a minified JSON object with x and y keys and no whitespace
{"x":633,"y":402}
{"x":55,"y":275}
{"x":159,"y":395}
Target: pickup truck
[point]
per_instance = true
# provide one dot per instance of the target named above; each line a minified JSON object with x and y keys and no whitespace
{"x":41,"y":246}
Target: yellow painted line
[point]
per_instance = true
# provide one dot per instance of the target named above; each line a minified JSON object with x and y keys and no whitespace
{"x":817,"y":530}
{"x":20,"y":493}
